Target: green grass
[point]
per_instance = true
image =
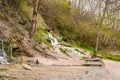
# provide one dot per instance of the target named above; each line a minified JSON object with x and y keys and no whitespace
{"x":88,"y":48}
{"x":85,"y":47}
{"x":114,"y":58}
{"x":104,"y":55}
{"x":110,"y":57}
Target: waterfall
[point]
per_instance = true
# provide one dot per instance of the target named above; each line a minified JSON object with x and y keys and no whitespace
{"x":55,"y":43}
{"x":53,"y":40}
{"x":3,"y":55}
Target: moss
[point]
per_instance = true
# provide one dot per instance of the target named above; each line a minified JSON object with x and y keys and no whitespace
{"x":14,"y":30}
{"x":79,"y":51}
{"x":83,"y":58}
{"x":25,"y":10}
{"x":2,"y":16}
{"x":65,"y":52}
{"x":39,"y":37}
{"x":7,"y":46}
{"x":23,"y":7}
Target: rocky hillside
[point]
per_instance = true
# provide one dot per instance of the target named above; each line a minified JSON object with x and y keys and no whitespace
{"x":15,"y":22}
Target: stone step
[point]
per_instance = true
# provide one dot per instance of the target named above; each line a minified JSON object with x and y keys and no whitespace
{"x":93,"y":59}
{"x":93,"y":64}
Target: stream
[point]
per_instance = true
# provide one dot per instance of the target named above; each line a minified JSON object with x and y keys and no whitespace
{"x":70,"y":50}
{"x":3,"y":56}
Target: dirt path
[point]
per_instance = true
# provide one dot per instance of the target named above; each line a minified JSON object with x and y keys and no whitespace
{"x":61,"y":72}
{"x":113,"y":68}
{"x":61,"y":69}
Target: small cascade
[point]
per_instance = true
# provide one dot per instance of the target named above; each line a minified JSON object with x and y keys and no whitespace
{"x":72,"y":51}
{"x":55,"y":43}
{"x":53,"y":40}
{"x":3,"y":55}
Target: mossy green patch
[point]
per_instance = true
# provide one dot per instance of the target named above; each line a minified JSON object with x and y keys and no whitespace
{"x":2,"y":16}
{"x":6,"y":45}
{"x":65,"y":52}
{"x":39,"y":37}
{"x":114,"y":58}
{"x":111,"y":57}
{"x":25,"y":10}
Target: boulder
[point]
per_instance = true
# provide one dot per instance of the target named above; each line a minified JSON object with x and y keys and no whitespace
{"x":25,"y":66}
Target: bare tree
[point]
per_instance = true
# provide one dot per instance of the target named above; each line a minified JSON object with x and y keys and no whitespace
{"x":34,"y":18}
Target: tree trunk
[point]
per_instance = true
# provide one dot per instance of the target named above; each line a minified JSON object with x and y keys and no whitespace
{"x":96,"y":45}
{"x":34,"y":18}
{"x":98,"y":32}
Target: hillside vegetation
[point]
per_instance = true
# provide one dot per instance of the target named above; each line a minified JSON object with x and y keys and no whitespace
{"x":87,"y":28}
{"x":95,"y":29}
{"x":15,"y":24}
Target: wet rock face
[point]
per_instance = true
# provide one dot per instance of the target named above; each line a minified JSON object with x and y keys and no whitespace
{"x":3,"y":60}
{"x":5,"y":52}
{"x":72,"y":51}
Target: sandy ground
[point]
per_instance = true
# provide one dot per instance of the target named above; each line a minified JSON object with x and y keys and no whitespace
{"x":113,"y":68}
{"x":16,"y":72}
{"x":111,"y":71}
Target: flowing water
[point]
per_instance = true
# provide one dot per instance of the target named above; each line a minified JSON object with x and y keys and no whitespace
{"x":55,"y":43}
{"x":3,"y":55}
{"x":53,"y":40}
{"x":72,"y":51}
